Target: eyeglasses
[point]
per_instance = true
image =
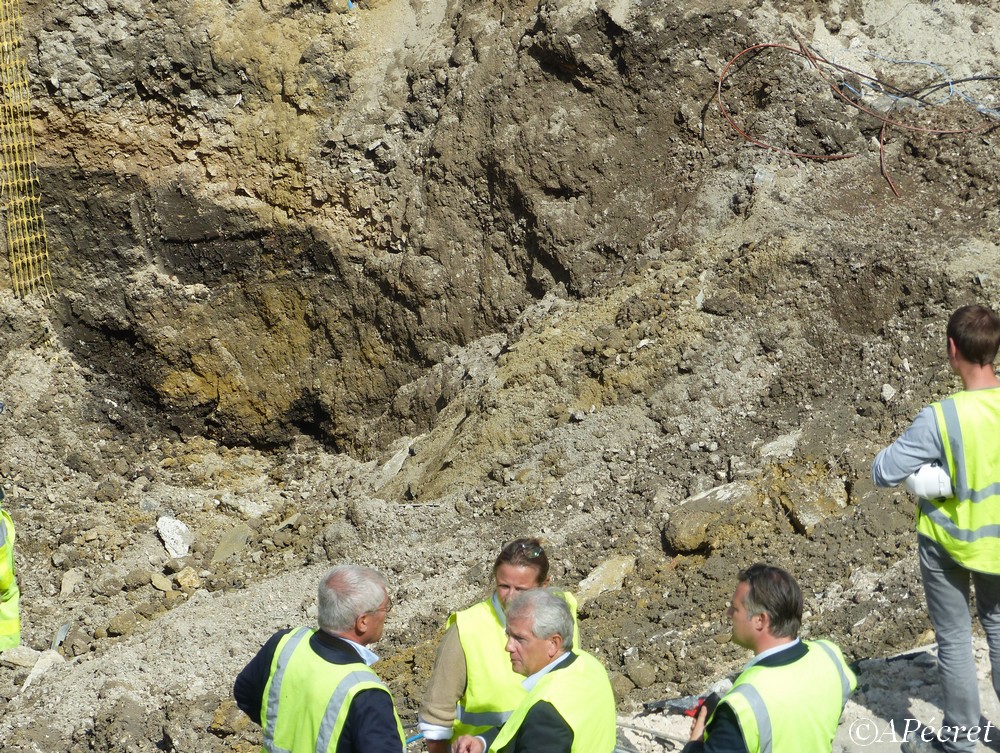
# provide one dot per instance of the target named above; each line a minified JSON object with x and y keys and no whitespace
{"x":387,"y":608}
{"x":531,"y":551}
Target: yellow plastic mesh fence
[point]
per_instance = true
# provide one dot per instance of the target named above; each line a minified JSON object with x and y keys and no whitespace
{"x":27,"y":246}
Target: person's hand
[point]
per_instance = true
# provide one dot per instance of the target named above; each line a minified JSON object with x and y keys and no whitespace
{"x":467,"y":744}
{"x":437,"y":746}
{"x":698,"y":725}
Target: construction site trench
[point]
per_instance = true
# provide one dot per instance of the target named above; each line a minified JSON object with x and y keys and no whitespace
{"x":397,"y":281}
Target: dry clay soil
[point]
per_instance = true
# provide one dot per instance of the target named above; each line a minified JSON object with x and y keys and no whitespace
{"x":573,"y":302}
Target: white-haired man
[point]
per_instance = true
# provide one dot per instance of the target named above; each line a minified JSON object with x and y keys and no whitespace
{"x":569,"y":707}
{"x":313,"y":690}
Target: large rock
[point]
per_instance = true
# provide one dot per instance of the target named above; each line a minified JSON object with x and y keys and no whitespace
{"x":608,"y":576}
{"x":688,"y":526}
{"x":810,"y":499}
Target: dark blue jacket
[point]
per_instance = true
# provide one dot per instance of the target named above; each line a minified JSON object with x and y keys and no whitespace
{"x":543,"y":729}
{"x":370,"y":725}
{"x":724,"y":735}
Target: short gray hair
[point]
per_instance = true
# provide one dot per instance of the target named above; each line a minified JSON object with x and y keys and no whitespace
{"x":345,"y":593}
{"x":548,"y":612}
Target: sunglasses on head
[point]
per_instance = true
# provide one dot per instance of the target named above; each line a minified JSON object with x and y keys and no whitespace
{"x":531,"y":551}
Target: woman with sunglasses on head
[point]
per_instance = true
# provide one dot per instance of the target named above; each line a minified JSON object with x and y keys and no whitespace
{"x":472,"y":685}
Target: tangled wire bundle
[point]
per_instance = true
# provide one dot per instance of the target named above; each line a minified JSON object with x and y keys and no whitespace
{"x":835,"y":75}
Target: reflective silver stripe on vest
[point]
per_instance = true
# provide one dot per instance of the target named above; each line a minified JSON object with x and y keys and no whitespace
{"x":482,"y":718}
{"x":961,"y":481}
{"x":845,"y":684}
{"x":275,"y":692}
{"x":3,"y":532}
{"x":498,"y":609}
{"x":931,"y":511}
{"x":333,"y":708}
{"x":749,"y":692}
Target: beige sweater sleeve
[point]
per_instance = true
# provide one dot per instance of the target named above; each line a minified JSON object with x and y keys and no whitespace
{"x":447,"y":683}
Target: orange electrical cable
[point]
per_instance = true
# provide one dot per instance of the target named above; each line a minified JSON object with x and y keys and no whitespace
{"x":817,"y":61}
{"x":725,"y":111}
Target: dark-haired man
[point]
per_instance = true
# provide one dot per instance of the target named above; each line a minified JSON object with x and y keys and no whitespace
{"x":790,"y":696}
{"x":958,"y":519}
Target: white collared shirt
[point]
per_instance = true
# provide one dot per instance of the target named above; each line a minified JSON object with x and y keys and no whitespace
{"x":368,"y":656}
{"x":771,"y":652}
{"x":529,"y":682}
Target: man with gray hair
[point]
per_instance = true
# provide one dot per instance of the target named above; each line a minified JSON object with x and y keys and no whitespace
{"x":313,"y":690}
{"x":570,"y":707}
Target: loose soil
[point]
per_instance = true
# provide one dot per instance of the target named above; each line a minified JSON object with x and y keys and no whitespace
{"x":398,"y":282}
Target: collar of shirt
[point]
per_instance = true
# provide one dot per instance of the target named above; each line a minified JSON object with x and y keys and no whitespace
{"x":530,"y":682}
{"x":498,"y":608}
{"x":368,"y":656}
{"x":771,"y":652}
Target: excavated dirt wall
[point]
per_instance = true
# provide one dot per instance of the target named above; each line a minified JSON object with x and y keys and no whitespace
{"x":400,"y":282}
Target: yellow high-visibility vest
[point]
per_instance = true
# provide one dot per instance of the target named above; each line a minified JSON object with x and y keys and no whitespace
{"x":581,"y":693}
{"x":967,"y":524}
{"x":492,"y":689}
{"x":10,"y":595}
{"x":307,"y":698}
{"x":794,"y":708}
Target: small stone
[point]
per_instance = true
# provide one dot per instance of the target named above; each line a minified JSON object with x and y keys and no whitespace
{"x":161,"y":582}
{"x":46,"y":660}
{"x":108,"y":490}
{"x":608,"y":576}
{"x":176,"y":536}
{"x":782,"y":447}
{"x":136,"y":579}
{"x":641,"y":673}
{"x":70,"y":580}
{"x":176,"y":564}
{"x":188,"y":580}
{"x":290,"y":522}
{"x":19,"y":656}
{"x":621,"y":685}
{"x":76,"y":643}
{"x":122,"y":623}
{"x":888,"y":393}
{"x":235,"y":540}
{"x":688,"y":526}
{"x":228,"y":720}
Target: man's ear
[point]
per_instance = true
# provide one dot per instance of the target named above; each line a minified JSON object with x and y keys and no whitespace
{"x":361,"y":623}
{"x":555,"y":646}
{"x":762,"y":622}
{"x":953,"y":351}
